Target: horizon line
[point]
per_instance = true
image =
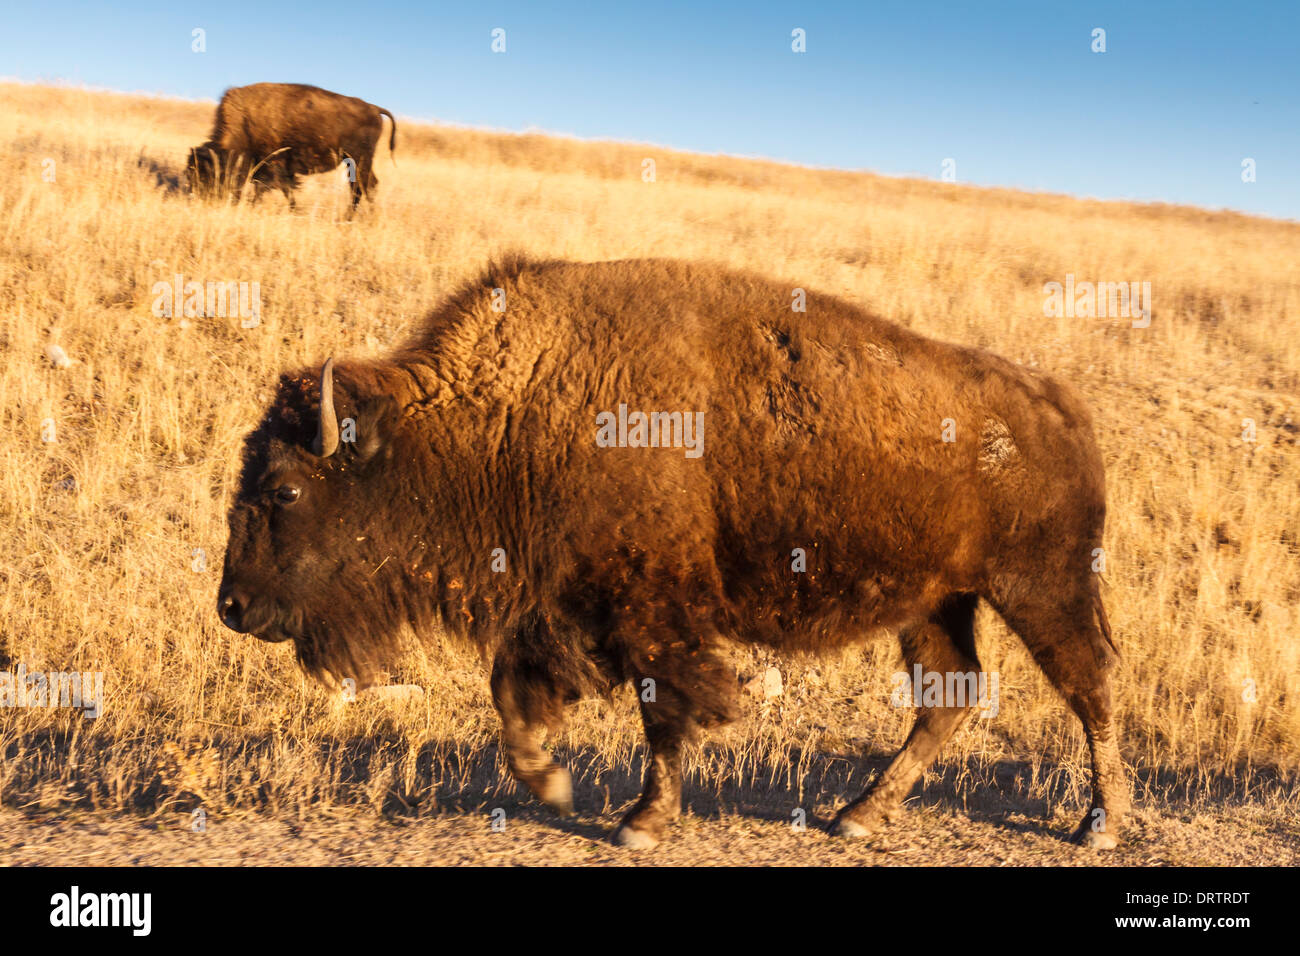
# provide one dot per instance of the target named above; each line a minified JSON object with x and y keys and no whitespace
{"x":61,"y":83}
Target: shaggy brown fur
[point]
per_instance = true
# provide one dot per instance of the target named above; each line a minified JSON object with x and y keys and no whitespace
{"x":272,"y":133}
{"x":822,"y":432}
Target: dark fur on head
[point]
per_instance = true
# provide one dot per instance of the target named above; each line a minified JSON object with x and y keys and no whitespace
{"x":210,"y":171}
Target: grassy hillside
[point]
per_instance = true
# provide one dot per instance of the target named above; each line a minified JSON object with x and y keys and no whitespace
{"x":98,"y":562}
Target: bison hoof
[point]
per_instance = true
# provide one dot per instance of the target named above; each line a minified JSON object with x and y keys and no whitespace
{"x":556,"y":791}
{"x":850,"y":829}
{"x":1094,"y":839}
{"x":626,"y":836}
{"x":861,"y":820}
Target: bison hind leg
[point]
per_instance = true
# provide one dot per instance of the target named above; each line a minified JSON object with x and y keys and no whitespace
{"x":365,"y":185}
{"x":944,"y":645}
{"x":1070,"y":640}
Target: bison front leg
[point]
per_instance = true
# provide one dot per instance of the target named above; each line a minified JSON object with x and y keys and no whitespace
{"x":522,"y":693}
{"x":260,"y":189}
{"x":666,"y":729}
{"x":682,"y":685}
{"x":944,"y":644}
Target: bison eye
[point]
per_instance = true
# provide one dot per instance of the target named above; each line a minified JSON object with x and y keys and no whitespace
{"x":287,"y":494}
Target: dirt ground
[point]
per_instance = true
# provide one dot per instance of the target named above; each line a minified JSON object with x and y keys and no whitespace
{"x":930,"y":836}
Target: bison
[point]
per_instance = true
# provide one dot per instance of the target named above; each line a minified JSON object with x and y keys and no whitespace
{"x":815,"y":478}
{"x":272,"y":133}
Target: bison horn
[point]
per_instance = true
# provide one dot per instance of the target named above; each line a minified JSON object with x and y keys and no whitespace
{"x":327,"y":433}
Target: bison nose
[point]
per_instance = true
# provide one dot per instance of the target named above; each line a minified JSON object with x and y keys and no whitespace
{"x":230,"y":608}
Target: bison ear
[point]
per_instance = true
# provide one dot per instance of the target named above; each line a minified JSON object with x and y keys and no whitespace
{"x":376,"y":420}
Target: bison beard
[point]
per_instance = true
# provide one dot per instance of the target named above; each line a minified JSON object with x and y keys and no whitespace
{"x":272,"y":133}
{"x":825,"y":433}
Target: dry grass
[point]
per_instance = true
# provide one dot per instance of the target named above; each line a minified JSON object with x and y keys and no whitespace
{"x":1202,"y":577}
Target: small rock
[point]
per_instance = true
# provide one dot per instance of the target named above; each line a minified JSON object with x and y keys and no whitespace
{"x":58,"y":358}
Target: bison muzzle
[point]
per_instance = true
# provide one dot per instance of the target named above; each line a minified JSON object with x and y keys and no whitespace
{"x":519,"y":474}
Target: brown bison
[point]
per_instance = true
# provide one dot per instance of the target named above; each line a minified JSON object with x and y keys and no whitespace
{"x":272,"y":133}
{"x":602,"y":472}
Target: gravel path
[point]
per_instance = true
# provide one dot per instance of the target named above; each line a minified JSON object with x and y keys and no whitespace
{"x":929,"y":836}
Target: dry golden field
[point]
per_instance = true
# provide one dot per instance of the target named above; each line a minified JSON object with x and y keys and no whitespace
{"x":98,"y":566}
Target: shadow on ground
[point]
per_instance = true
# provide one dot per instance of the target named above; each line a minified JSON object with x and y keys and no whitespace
{"x":165,"y":176}
{"x":227,"y":772}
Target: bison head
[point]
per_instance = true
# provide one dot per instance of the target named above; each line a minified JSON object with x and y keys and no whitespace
{"x":314,"y":554}
{"x":208,"y":170}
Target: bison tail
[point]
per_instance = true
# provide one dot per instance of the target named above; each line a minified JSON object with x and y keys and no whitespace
{"x":392,"y":135}
{"x":1103,"y":623}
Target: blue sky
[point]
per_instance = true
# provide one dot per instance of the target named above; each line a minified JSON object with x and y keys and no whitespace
{"x":1011,"y":91}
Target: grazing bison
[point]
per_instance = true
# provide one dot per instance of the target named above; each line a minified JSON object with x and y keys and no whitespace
{"x":601,"y":472}
{"x":272,"y":133}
